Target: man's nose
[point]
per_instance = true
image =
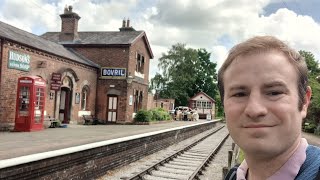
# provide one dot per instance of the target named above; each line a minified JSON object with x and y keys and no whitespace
{"x":255,"y":107}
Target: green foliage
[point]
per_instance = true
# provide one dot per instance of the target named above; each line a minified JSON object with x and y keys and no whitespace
{"x":219,"y":107}
{"x":312,"y":63}
{"x":241,"y":156}
{"x":157,"y":114}
{"x":185,"y":72}
{"x":143,"y":116}
{"x":313,"y":115}
{"x":310,"y":127}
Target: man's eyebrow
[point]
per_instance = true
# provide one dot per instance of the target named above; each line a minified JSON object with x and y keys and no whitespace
{"x":274,"y":84}
{"x":237,"y":87}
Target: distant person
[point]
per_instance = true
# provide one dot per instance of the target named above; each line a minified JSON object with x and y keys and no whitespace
{"x":264,"y":88}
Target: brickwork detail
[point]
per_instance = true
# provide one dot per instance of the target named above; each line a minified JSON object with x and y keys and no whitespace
{"x":119,"y":57}
{"x":9,"y":82}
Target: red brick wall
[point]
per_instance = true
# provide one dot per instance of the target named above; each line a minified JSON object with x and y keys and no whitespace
{"x":69,"y":29}
{"x":9,"y":77}
{"x":109,"y":57}
{"x":140,"y":47}
{"x":69,"y":25}
{"x":123,"y":57}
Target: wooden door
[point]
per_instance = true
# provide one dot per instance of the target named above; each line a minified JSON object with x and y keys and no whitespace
{"x":112,"y":108}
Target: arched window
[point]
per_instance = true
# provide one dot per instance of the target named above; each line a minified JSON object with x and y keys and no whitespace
{"x":84,"y":97}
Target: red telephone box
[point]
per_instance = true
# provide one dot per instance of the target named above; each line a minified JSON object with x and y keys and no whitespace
{"x":30,"y":103}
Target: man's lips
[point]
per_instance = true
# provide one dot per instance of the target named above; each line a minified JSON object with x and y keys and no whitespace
{"x":257,"y":126}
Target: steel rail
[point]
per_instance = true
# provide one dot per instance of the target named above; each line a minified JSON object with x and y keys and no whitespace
{"x":148,"y":170}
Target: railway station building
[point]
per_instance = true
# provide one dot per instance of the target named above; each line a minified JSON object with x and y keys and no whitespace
{"x":101,"y":73}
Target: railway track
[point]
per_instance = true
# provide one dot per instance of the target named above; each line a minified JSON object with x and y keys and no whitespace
{"x":187,"y":163}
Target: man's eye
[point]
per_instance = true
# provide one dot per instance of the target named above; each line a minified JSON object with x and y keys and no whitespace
{"x":275,"y":93}
{"x":240,"y":94}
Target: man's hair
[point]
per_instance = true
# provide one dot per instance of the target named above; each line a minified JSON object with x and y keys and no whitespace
{"x":260,"y":44}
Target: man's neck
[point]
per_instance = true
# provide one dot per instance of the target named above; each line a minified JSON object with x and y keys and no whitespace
{"x":264,"y":167}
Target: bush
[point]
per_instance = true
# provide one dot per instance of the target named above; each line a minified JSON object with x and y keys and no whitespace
{"x":143,"y":116}
{"x":159,"y":114}
{"x":310,"y":127}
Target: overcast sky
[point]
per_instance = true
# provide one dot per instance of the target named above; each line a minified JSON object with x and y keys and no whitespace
{"x":216,"y":25}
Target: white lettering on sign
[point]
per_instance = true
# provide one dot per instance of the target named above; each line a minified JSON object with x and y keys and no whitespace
{"x":26,"y":81}
{"x":24,"y":58}
{"x":111,"y":72}
{"x":39,"y":83}
{"x":19,"y":61}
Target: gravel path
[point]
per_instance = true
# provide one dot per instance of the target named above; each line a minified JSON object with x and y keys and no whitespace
{"x":312,"y":138}
{"x":214,"y":170}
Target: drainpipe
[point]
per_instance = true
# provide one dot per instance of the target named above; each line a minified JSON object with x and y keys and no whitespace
{"x":1,"y":56}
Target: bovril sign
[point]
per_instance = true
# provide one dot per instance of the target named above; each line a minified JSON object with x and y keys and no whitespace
{"x":113,"y":73}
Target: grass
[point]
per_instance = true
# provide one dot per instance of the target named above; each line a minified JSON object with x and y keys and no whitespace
{"x":241,"y":156}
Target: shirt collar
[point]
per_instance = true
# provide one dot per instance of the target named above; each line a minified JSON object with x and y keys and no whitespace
{"x":288,"y":171}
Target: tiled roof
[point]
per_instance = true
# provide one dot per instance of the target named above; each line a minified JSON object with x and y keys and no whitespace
{"x":12,"y":33}
{"x":201,"y":92}
{"x":108,"y":38}
{"x":102,"y":38}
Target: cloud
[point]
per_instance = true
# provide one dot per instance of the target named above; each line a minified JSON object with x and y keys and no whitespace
{"x":214,"y":25}
{"x":218,"y":55}
{"x":202,"y":26}
{"x":29,"y":16}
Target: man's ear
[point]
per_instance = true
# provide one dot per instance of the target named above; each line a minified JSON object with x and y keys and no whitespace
{"x":306,"y":102}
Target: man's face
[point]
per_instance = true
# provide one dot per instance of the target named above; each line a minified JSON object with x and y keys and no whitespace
{"x":261,"y":103}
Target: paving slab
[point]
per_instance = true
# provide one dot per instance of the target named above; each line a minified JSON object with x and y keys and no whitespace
{"x":15,"y":144}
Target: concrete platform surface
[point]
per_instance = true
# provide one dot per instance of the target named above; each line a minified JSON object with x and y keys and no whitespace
{"x":15,"y":144}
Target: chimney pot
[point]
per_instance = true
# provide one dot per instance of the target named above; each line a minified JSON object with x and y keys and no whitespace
{"x":123,"y":23}
{"x":128,"y":22}
{"x":65,"y":9}
{"x":70,"y":8}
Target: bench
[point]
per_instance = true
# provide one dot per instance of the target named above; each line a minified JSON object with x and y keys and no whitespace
{"x":53,"y":122}
{"x":90,"y":119}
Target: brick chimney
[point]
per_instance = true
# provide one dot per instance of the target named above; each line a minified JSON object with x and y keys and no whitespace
{"x":69,"y":26}
{"x":126,"y":26}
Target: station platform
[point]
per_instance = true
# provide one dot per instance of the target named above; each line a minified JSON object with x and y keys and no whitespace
{"x":16,"y":144}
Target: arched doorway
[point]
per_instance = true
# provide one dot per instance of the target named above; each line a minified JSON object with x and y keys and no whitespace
{"x":65,"y":100}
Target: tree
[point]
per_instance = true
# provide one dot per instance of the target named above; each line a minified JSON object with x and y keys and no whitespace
{"x":313,"y":76}
{"x":185,"y":72}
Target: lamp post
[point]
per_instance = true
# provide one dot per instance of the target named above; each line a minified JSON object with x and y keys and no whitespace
{"x":157,"y":96}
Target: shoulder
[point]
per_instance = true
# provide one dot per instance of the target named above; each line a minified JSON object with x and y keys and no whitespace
{"x":310,"y":169}
{"x":313,"y":153}
{"x":232,"y":174}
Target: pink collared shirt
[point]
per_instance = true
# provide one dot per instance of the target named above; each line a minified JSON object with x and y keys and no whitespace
{"x":288,"y":171}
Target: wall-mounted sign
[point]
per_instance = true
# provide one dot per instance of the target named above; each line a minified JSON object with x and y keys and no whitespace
{"x":130,"y":100}
{"x":77,"y":98}
{"x":56,"y":81}
{"x":56,"y":76}
{"x":19,"y":61}
{"x":55,"y":86}
{"x":113,"y":73}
